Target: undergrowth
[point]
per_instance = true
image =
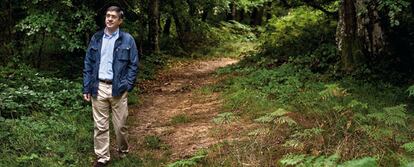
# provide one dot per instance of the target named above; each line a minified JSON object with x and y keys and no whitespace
{"x":43,"y":120}
{"x":309,"y":113}
{"x":348,"y":118}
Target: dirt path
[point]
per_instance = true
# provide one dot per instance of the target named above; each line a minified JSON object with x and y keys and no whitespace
{"x":175,"y":111}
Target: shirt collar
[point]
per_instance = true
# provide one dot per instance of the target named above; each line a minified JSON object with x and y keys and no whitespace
{"x":111,"y":35}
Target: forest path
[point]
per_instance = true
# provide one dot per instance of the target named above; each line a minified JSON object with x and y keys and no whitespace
{"x":174,"y":118}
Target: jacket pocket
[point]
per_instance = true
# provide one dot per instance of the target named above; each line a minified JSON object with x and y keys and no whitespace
{"x":123,"y":52}
{"x":93,"y":53}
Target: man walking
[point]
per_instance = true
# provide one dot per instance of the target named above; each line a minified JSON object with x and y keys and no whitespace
{"x":110,"y":69}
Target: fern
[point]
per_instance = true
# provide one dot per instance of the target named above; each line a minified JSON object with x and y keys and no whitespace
{"x":377,"y":133}
{"x":277,"y":117}
{"x":294,"y":143}
{"x":225,"y":117}
{"x":308,"y":133}
{"x":305,"y":160}
{"x":409,"y":147}
{"x":259,"y":131}
{"x":410,"y":90}
{"x":333,"y":90}
{"x":193,"y":161}
{"x":363,"y":162}
{"x":292,"y":159}
{"x":392,"y":116}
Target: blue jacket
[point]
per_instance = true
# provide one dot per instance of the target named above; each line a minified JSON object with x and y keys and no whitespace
{"x":124,"y":66}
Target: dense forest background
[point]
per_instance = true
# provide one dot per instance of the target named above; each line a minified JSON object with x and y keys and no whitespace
{"x":344,"y":68}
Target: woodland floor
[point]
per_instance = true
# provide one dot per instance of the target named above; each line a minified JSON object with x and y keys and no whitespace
{"x":175,"y":94}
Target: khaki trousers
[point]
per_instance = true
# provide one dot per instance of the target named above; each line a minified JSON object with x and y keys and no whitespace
{"x":101,"y":106}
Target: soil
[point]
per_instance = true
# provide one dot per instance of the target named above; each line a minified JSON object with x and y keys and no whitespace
{"x":174,"y":108}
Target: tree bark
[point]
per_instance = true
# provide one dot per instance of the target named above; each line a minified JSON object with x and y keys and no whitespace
{"x":154,"y":25}
{"x":178,"y":25}
{"x":167,"y":26}
{"x":360,"y":36}
{"x":348,"y":43}
{"x":253,"y":16}
{"x":232,"y":14}
{"x":40,"y":52}
{"x":257,"y":16}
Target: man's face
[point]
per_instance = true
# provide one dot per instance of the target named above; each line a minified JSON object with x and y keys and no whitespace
{"x":112,"y":20}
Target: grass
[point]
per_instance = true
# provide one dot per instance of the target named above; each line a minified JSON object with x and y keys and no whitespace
{"x":152,"y":142}
{"x":180,"y":119}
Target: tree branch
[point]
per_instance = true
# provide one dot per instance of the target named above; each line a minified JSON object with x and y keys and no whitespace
{"x":315,"y":5}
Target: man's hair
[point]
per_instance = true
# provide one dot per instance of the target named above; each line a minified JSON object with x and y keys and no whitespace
{"x":116,"y":9}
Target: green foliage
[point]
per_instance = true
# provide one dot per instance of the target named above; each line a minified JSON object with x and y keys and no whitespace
{"x":225,"y":117}
{"x":43,"y":120}
{"x":248,"y":5}
{"x":370,"y":116}
{"x":36,"y":94}
{"x":65,"y":31}
{"x":302,"y":160}
{"x":410,"y":90}
{"x":363,"y":162}
{"x":149,"y":65}
{"x":299,"y":34}
{"x":153,"y":142}
{"x":393,"y":8}
{"x":193,"y":161}
{"x":409,"y":147}
{"x":391,"y":116}
{"x":332,"y":90}
{"x":179,"y":119}
{"x":278,"y":117}
{"x":304,"y":37}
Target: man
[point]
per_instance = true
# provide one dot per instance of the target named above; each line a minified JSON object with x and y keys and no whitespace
{"x":110,"y":68}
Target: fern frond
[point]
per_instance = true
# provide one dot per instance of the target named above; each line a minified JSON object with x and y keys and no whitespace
{"x":259,"y":131}
{"x":409,"y":147}
{"x":308,"y":133}
{"x":268,"y":118}
{"x":189,"y":162}
{"x":307,"y":160}
{"x":363,"y":162}
{"x":333,"y":90}
{"x":292,"y":159}
{"x":410,"y":90}
{"x":225,"y":117}
{"x":294,"y":144}
{"x":392,"y":116}
{"x":285,"y":120}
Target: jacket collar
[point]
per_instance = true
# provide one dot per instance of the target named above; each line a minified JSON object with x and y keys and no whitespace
{"x":101,"y":33}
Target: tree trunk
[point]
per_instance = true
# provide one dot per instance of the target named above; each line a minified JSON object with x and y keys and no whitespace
{"x":257,"y":15}
{"x":241,"y":15}
{"x":154,"y":25}
{"x":167,"y":26}
{"x":191,"y":14}
{"x":205,"y":14}
{"x":253,"y":16}
{"x":232,"y":14}
{"x":40,"y":52}
{"x":359,"y":36}
{"x":178,"y":25}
